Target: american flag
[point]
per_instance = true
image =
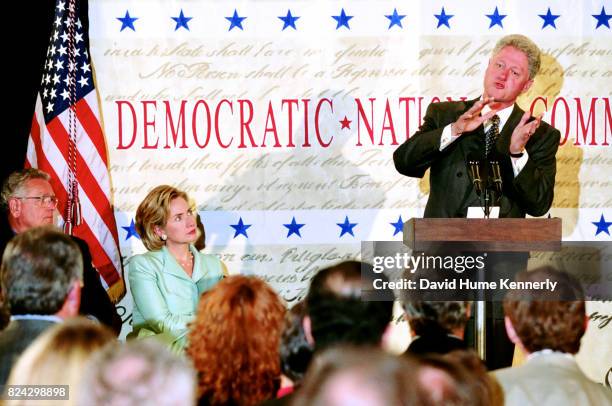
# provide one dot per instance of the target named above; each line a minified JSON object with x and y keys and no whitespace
{"x":67,"y":142}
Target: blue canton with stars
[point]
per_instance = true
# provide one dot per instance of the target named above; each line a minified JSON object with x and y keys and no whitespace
{"x":289,"y":20}
{"x":602,"y":225}
{"x":342,"y":20}
{"x":240,"y":228}
{"x":293,"y":228}
{"x":549,"y":19}
{"x":235,"y":20}
{"x":443,"y":18}
{"x":181,"y":21}
{"x":59,"y":71}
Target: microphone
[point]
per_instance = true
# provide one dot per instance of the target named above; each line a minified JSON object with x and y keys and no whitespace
{"x":474,"y":164}
{"x":496,"y":176}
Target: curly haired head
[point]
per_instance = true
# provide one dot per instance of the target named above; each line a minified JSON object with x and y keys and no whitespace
{"x":234,"y":341}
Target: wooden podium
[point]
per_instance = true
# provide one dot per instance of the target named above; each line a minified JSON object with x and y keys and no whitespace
{"x":498,"y":235}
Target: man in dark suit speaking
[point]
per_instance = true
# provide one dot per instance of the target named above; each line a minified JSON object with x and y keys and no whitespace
{"x":493,"y":136}
{"x":491,"y":128}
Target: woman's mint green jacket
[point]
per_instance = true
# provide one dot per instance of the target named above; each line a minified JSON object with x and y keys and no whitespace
{"x":165,"y":297}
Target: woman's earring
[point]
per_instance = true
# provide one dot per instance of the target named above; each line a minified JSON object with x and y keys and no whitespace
{"x":163,"y":237}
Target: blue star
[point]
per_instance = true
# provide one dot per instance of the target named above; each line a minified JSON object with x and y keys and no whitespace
{"x":395,"y":19}
{"x":127,"y":21}
{"x":342,"y":19}
{"x":602,"y":225}
{"x":602,"y":18}
{"x":235,"y":20}
{"x":289,"y":20}
{"x":399,"y":226}
{"x":131,"y":231}
{"x":346,"y":227}
{"x":496,"y":18}
{"x":549,"y":19}
{"x":181,"y":21}
{"x":443,"y":18}
{"x":294,"y":228}
{"x":240,"y":228}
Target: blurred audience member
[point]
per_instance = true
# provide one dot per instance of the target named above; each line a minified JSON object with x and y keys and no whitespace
{"x":58,"y":357}
{"x":548,"y":325}
{"x":295,"y":351}
{"x":336,"y":313}
{"x":42,"y":273}
{"x":167,"y":281}
{"x":234,"y":342}
{"x":137,"y":373}
{"x":30,"y":201}
{"x":355,"y":376}
{"x":485,"y":388}
{"x":436,"y":327}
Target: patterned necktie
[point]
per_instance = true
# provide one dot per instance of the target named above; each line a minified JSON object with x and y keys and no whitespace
{"x":491,"y":135}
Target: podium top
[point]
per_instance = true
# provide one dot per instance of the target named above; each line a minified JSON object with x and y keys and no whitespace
{"x":505,"y":234}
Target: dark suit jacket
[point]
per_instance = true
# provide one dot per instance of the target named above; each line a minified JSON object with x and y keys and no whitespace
{"x":94,"y":299}
{"x":15,"y":338}
{"x":451,"y":190}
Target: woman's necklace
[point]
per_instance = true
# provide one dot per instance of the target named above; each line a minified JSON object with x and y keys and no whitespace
{"x":186,"y":262}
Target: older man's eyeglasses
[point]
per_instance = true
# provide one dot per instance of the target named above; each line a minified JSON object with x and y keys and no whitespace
{"x":44,"y":201}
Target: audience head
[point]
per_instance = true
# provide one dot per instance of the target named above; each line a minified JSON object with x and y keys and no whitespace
{"x":336,"y":312}
{"x":166,"y":216}
{"x":431,"y":316}
{"x":59,"y":356}
{"x":295,"y":351}
{"x":42,"y":273}
{"x":29,"y":199}
{"x":458,"y":378}
{"x":483,"y":387}
{"x":538,"y":320}
{"x":234,"y":342}
{"x":354,"y":376}
{"x":139,"y":372}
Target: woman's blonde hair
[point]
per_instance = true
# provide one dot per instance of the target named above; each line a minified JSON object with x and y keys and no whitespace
{"x":58,"y":357}
{"x":154,"y":211}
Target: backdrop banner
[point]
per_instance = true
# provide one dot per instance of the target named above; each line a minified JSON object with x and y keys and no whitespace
{"x":280,"y":118}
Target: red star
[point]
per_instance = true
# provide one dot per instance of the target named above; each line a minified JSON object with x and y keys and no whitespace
{"x":345,"y":123}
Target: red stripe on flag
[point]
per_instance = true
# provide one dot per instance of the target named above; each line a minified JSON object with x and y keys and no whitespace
{"x":45,"y":165}
{"x":85,"y":177}
{"x":101,"y":260}
{"x":91,"y":125}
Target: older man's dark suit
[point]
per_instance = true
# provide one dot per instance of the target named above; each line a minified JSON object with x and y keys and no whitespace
{"x":17,"y":336}
{"x":451,"y":190}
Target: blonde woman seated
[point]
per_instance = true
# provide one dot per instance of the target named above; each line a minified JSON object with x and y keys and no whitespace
{"x":166,"y":282}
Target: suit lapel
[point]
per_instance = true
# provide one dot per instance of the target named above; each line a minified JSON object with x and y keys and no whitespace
{"x":503,"y":142}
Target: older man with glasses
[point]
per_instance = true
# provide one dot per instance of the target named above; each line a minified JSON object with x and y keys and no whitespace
{"x":29,"y":201}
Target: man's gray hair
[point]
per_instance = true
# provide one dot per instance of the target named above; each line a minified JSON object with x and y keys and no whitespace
{"x":15,"y":182}
{"x":139,"y":372}
{"x":39,"y":267}
{"x":526,"y":46}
